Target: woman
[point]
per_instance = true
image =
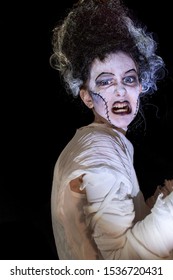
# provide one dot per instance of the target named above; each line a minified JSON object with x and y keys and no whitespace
{"x":98,"y":210}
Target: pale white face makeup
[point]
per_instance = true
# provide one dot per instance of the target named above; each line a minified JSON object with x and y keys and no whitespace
{"x":113,"y":90}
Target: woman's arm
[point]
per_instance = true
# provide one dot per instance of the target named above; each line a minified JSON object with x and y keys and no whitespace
{"x":110,"y":214}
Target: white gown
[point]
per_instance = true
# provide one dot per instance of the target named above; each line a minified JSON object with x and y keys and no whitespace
{"x":112,"y":220}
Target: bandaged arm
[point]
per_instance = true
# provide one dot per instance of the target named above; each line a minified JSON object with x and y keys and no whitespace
{"x":110,"y":214}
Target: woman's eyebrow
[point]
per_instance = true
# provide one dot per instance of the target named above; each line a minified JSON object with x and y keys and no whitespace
{"x":109,"y":73}
{"x":133,"y":69}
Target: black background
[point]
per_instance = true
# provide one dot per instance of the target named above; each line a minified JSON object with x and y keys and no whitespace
{"x":37,"y":122}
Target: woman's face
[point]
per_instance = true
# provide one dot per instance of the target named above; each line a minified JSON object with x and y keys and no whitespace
{"x":113,"y":90}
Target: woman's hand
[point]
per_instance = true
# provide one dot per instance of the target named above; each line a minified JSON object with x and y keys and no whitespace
{"x":166,"y":189}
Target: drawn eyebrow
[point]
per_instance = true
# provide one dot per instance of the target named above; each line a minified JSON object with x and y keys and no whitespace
{"x":109,"y":73}
{"x":103,"y":74}
{"x":131,"y":70}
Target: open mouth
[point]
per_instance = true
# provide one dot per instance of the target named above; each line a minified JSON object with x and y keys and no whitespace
{"x":121,"y":108}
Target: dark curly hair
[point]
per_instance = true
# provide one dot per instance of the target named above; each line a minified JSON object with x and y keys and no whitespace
{"x":96,"y":28}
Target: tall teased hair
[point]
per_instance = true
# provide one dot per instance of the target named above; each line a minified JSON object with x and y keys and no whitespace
{"x":96,"y":28}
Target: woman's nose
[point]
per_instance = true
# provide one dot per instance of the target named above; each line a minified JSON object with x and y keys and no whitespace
{"x":120,"y":90}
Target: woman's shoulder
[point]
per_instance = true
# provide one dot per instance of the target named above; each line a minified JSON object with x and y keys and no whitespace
{"x":97,"y":129}
{"x":96,"y":139}
{"x":102,"y":131}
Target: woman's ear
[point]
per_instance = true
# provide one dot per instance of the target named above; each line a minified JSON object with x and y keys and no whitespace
{"x":86,"y":98}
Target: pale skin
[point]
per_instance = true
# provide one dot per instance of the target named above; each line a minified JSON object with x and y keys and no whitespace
{"x":113,"y":90}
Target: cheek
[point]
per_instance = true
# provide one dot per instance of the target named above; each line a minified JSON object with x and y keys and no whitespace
{"x":134,"y":100}
{"x":100,"y":105}
{"x":99,"y":101}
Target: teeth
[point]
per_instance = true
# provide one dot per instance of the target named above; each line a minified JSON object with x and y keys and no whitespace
{"x":120,"y":108}
{"x":120,"y":105}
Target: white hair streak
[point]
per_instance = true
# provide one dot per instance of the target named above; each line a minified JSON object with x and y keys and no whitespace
{"x":144,"y":40}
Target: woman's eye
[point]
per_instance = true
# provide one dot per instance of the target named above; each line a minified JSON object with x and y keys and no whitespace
{"x":106,"y":82}
{"x":129,"y":80}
